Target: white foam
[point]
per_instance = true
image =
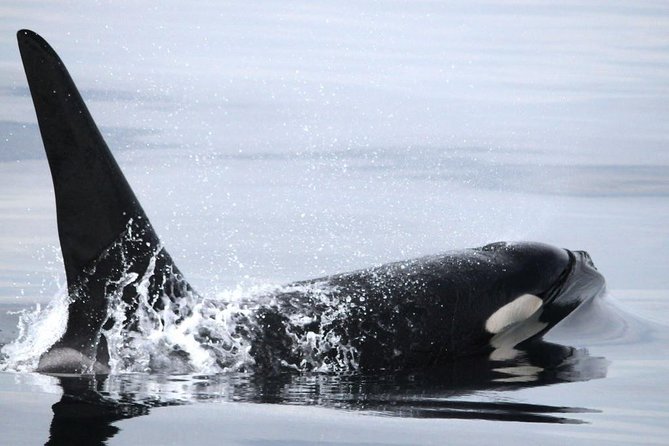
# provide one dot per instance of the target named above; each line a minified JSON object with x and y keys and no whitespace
{"x":194,"y":334}
{"x":39,"y":329}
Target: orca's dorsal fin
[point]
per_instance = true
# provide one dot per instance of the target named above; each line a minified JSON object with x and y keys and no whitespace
{"x":105,"y":236}
{"x":93,"y":198}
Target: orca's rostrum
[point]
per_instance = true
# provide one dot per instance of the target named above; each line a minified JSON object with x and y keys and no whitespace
{"x":409,"y":314}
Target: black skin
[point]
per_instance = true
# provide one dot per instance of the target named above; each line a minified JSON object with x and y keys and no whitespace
{"x":401,"y":315}
{"x":421,"y":312}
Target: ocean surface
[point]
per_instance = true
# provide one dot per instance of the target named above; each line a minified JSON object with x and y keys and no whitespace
{"x":271,"y":142}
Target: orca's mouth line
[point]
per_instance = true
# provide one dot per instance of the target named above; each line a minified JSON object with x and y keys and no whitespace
{"x":580,"y":282}
{"x":558,"y":287}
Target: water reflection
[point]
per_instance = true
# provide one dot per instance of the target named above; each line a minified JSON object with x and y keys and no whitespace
{"x":91,"y":405}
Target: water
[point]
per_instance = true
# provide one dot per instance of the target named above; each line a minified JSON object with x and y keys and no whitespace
{"x":277,"y":142}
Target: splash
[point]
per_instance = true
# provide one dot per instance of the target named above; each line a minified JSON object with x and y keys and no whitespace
{"x":38,"y":328}
{"x":239,"y":330}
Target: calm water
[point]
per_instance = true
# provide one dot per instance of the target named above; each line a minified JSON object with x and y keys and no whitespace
{"x":273,"y":142}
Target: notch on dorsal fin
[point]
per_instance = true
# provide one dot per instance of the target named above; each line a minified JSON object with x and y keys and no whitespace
{"x":104,"y":232}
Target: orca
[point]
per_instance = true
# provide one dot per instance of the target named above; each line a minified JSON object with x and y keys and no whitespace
{"x":409,"y":314}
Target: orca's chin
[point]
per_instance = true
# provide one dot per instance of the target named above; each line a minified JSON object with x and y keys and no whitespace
{"x":67,"y":361}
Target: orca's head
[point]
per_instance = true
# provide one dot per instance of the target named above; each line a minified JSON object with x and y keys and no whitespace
{"x":557,"y":276}
{"x":579,"y":283}
{"x":544,"y":284}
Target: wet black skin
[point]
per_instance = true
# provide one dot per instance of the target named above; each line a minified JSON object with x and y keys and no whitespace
{"x":409,"y":314}
{"x":427,"y":311}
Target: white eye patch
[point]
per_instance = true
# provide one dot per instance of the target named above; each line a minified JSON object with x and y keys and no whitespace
{"x":515,"y":311}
